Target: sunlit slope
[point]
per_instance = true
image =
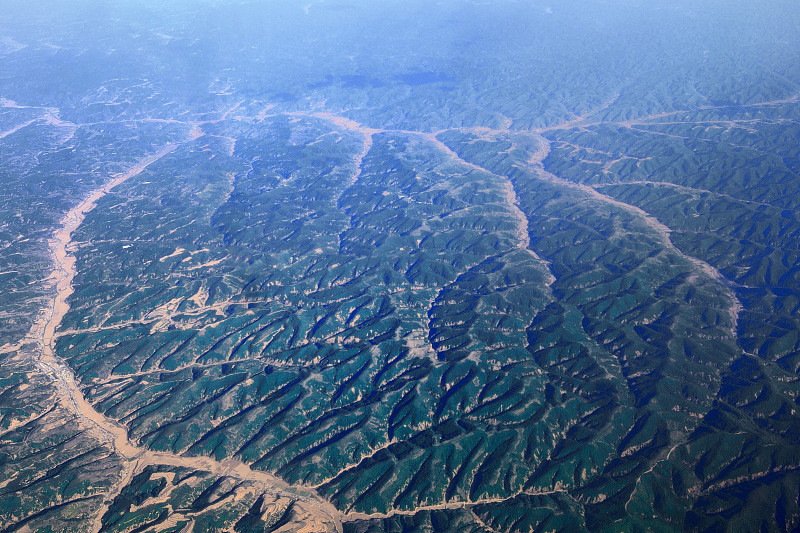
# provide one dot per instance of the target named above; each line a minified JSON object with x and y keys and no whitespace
{"x":54,"y":468}
{"x":377,"y":267}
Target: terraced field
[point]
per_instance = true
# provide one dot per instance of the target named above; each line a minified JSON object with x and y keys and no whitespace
{"x":472,"y":268}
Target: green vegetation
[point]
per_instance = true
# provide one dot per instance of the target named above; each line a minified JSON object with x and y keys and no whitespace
{"x":524,"y":268}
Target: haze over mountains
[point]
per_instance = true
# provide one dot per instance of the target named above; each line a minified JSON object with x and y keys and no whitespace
{"x":373,"y":267}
